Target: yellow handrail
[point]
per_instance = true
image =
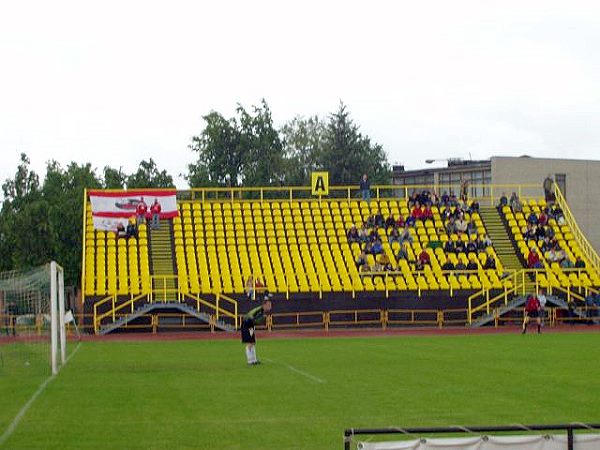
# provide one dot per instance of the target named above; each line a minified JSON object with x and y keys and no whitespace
{"x":580,"y":238}
{"x":113,"y":311}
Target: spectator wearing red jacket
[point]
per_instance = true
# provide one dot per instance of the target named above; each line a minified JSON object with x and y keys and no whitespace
{"x":155,"y":210}
{"x":427,"y":214}
{"x":424,"y":258}
{"x":532,"y":309}
{"x":140,"y":211}
{"x":533,"y":260}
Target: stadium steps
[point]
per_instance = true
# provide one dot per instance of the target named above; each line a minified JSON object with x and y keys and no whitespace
{"x":170,"y":306}
{"x":520,"y":301}
{"x":162,"y":261}
{"x":503,"y":244}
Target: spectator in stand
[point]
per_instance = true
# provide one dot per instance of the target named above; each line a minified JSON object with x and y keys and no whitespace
{"x":406,"y":236}
{"x":460,"y":265}
{"x":448,"y":265}
{"x":370,"y":222}
{"x":473,"y":207}
{"x":472,"y":264}
{"x":394,"y":236}
{"x":472,"y":228}
{"x":460,"y":225}
{"x":377,"y":247}
{"x":549,"y":231}
{"x":413,"y":199}
{"x":121,"y":233}
{"x":445,"y":201}
{"x":416,"y":212}
{"x":385,"y":262}
{"x":155,"y":210}
{"x":540,"y":232}
{"x":379,"y":221}
{"x":368,"y":248}
{"x":543,"y":219}
{"x":485,"y":242}
{"x":548,"y":194}
{"x":451,"y":226}
{"x":400,"y":222}
{"x":373,"y":235}
{"x":503,"y":201}
{"x":132,"y":230}
{"x":558,"y":215}
{"x":390,"y":222}
{"x":453,"y":201}
{"x":546,"y":245}
{"x":427,"y":214}
{"x":140,"y":211}
{"x":533,"y":260}
{"x":361,"y":260}
{"x":490,"y":263}
{"x":530,"y":232}
{"x":533,"y":219}
{"x":353,"y":235}
{"x":471,"y":247}
{"x":402,"y":253}
{"x":449,"y":246}
{"x":515,"y":203}
{"x":365,"y":188}
{"x":446,"y":213}
{"x":579,"y":263}
{"x":566,"y":263}
{"x":424,"y":258}
{"x":460,"y":246}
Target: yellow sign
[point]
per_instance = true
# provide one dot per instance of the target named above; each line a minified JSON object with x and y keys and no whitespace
{"x":320,"y":183}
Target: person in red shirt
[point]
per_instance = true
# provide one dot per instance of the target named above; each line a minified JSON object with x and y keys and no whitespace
{"x":155,"y":211}
{"x":424,"y":258}
{"x":532,"y":309}
{"x":533,"y":260}
{"x":140,"y":211}
{"x":427,"y":214}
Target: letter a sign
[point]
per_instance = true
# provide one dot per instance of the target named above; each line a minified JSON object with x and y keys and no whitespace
{"x":320,"y":183}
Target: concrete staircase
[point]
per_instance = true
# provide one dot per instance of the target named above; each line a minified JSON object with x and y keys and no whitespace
{"x":162,"y":262}
{"x":503,"y":244}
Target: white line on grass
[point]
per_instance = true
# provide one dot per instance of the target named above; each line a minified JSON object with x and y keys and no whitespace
{"x":13,"y":425}
{"x":298,"y":371}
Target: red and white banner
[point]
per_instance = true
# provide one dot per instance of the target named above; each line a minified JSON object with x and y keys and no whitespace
{"x":110,"y":208}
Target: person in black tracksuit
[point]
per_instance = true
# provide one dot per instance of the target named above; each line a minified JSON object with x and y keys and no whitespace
{"x":251,"y":318}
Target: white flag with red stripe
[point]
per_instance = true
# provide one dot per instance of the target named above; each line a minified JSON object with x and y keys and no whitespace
{"x":109,"y":208}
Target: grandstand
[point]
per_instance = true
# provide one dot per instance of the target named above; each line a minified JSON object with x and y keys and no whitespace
{"x":298,"y":246}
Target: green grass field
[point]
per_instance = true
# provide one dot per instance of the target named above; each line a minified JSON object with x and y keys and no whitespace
{"x":202,"y":395}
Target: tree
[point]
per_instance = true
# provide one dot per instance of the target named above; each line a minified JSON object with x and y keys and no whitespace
{"x":114,"y":178}
{"x":63,"y":192}
{"x":148,"y":176}
{"x":245,"y":149}
{"x":347,"y":154}
{"x":303,"y":141}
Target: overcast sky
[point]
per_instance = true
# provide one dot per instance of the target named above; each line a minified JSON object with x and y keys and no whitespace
{"x":115,"y":82}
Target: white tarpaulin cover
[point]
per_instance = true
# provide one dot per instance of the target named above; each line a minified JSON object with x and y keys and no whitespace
{"x":531,"y":442}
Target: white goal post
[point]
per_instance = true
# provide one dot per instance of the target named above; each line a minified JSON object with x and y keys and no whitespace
{"x":57,"y":316}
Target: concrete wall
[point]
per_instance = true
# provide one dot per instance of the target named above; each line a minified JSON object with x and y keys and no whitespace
{"x":582,"y":185}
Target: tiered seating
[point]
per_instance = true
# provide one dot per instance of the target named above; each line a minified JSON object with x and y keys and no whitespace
{"x":301,"y":246}
{"x":555,"y":275}
{"x":115,"y":266}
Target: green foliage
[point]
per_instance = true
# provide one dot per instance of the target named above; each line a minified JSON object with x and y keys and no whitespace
{"x":303,"y":141}
{"x":347,"y":153}
{"x":43,"y":222}
{"x":243,"y":150}
{"x":249,"y":151}
{"x":148,"y":176}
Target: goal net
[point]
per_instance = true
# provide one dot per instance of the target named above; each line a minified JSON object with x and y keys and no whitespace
{"x":32,"y":325}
